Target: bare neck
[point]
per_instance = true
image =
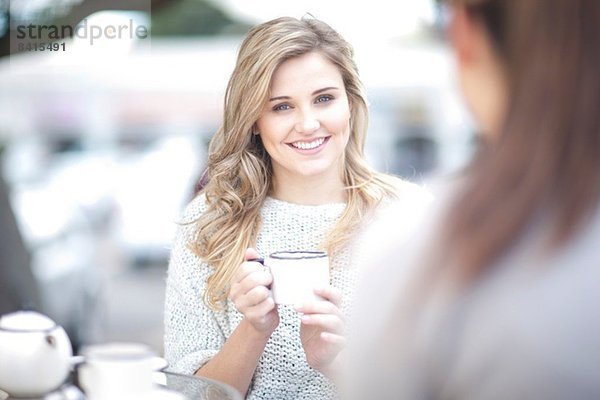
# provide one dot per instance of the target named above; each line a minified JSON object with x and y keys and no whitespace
{"x":310,"y":190}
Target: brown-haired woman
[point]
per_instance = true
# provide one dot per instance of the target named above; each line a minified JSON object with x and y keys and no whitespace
{"x":503,"y":303}
{"x":286,"y":171}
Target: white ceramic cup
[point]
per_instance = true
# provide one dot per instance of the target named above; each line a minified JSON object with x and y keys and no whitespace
{"x":118,"y":371}
{"x":296,"y":274}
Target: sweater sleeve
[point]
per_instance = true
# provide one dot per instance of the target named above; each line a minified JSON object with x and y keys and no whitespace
{"x":192,"y":333}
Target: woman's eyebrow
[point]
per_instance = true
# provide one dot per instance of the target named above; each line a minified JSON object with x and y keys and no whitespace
{"x":313,"y":93}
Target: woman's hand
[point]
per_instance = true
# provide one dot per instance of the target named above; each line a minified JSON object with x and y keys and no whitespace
{"x":251,"y":295}
{"x":322,"y":329}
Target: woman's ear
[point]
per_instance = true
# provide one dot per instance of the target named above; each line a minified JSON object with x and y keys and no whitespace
{"x":462,"y":32}
{"x":480,"y":70}
{"x":469,"y":37}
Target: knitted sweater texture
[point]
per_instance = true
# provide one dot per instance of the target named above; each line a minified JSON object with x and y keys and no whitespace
{"x":194,"y":333}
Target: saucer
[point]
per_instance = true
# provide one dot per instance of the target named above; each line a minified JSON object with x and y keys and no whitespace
{"x":67,"y":392}
{"x":156,"y":394}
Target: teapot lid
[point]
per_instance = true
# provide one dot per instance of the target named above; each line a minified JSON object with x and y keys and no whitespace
{"x":26,"y":321}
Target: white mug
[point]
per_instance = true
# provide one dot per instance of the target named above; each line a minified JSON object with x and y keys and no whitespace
{"x":118,"y":371}
{"x":296,"y":274}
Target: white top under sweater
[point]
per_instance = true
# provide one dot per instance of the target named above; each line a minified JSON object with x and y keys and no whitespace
{"x":195,"y":333}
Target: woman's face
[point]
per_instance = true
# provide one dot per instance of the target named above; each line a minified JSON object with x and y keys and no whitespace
{"x":305,"y":124}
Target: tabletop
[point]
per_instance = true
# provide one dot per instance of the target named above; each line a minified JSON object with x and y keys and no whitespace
{"x":192,"y":387}
{"x":199,"y":388}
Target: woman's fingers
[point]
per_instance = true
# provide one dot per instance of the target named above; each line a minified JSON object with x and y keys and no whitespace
{"x":327,"y":322}
{"x":260,"y":277}
{"x":331,"y":294}
{"x":332,"y":298}
{"x":250,"y":294}
{"x":324,"y":314}
{"x":255,"y":296}
{"x":249,"y":290}
{"x":320,"y":307}
{"x":247,"y":266}
{"x":333,"y":338}
{"x":251,"y":254}
{"x":249,"y":275}
{"x":259,"y":312}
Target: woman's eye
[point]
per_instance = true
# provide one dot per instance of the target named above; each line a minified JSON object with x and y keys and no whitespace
{"x":324,"y":98}
{"x":281,"y":107}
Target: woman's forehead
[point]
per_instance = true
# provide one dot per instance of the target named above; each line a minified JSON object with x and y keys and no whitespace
{"x":306,"y":73}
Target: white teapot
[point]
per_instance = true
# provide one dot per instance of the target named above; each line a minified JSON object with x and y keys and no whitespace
{"x":35,"y":354}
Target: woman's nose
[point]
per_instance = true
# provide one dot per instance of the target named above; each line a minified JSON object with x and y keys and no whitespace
{"x":307,"y":124}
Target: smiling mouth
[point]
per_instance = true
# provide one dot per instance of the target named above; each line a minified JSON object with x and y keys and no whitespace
{"x":313,"y":144}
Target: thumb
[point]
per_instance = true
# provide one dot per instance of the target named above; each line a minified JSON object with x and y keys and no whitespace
{"x":251,"y":254}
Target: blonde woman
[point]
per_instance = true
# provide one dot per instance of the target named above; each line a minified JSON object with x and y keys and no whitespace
{"x":285,"y":171}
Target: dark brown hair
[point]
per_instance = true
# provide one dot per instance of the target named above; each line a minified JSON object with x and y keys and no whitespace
{"x":547,"y":158}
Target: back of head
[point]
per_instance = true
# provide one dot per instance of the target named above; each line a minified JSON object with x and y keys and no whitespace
{"x":547,"y":158}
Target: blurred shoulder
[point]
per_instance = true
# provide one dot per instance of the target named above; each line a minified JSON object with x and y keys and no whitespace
{"x":407,"y":194}
{"x":400,"y":215}
{"x":396,"y":223}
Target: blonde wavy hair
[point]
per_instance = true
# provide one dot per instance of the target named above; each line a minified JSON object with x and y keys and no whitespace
{"x":239,"y":169}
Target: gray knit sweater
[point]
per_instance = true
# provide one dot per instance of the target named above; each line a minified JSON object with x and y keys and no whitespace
{"x":195,"y":333}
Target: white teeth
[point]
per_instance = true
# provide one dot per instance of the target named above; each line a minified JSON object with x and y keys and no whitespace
{"x":308,"y":145}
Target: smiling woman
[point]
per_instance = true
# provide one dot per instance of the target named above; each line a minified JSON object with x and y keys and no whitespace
{"x":286,"y":171}
{"x":305,"y":127}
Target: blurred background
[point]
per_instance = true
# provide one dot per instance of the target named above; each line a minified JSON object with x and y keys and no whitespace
{"x":102,"y":140}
